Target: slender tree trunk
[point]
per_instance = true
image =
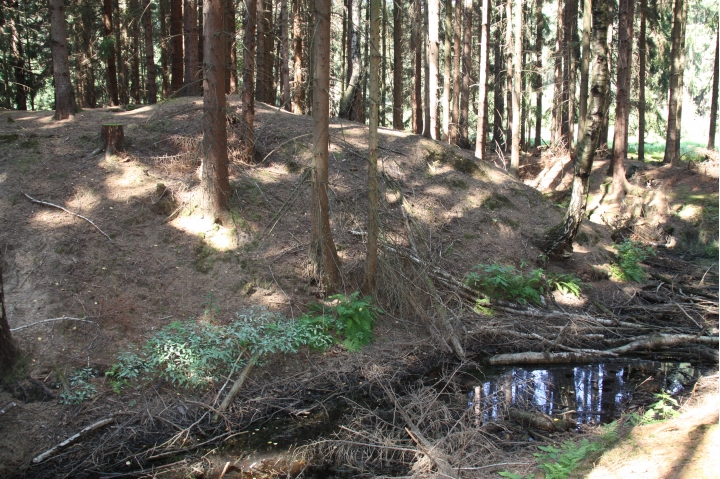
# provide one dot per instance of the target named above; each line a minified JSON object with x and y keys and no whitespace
{"x":642,"y":54}
{"x":433,"y":12}
{"x":201,"y":36}
{"x":111,"y":69}
{"x":674,"y":93}
{"x":348,"y":102}
{"x":260,"y":81}
{"x":556,"y":121}
{"x":539,"y":27}
{"x":509,"y":75}
{"x":247,"y":125}
{"x":214,"y":183}
{"x":231,"y":77}
{"x":559,"y":240}
{"x":284,"y":57}
{"x":120,"y":29}
{"x":447,"y":72}
{"x":680,"y":86}
{"x":457,"y":75}
{"x":18,"y":63}
{"x":714,"y":100}
{"x":298,"y":80}
{"x":268,"y":51}
{"x":191,"y":85}
{"x":373,"y":194}
{"x":164,"y":48}
{"x":463,"y":139}
{"x":417,"y":103}
{"x":498,"y":97}
{"x":622,"y":97}
{"x":604,"y":133}
{"x":585,"y":67}
{"x":322,"y":250}
{"x":149,"y":54}
{"x":426,"y":66}
{"x":88,"y":15}
{"x":176,"y":45}
{"x":481,"y":144}
{"x":573,"y":55}
{"x":64,"y":93}
{"x":134,"y":19}
{"x":398,"y":123}
{"x":383,"y":68}
{"x":517,"y":92}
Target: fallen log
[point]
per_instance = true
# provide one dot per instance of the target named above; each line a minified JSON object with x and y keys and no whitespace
{"x":73,"y":438}
{"x":541,"y":421}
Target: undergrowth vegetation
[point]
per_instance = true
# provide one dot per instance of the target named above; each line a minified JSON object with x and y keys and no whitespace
{"x":629,"y":254}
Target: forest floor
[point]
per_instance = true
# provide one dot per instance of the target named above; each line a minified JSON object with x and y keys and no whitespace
{"x":160,"y":262}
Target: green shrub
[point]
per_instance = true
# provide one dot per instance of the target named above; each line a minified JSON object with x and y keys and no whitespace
{"x":80,"y":389}
{"x":506,"y":282}
{"x":352,"y":317}
{"x":630,"y":253}
{"x":665,"y":408}
{"x":565,"y":283}
{"x":558,"y":463}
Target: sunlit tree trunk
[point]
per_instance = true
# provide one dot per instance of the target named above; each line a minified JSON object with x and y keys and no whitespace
{"x":556,"y":120}
{"x":373,"y":195}
{"x":433,"y":11}
{"x":247,"y":124}
{"x":498,"y":97}
{"x":176,"y":46}
{"x":298,"y":102}
{"x":714,"y":101}
{"x":383,"y":68}
{"x":191,"y":81}
{"x":214,"y":183}
{"x":416,"y":44}
{"x":558,"y":241}
{"x":110,"y":59}
{"x":64,"y":94}
{"x":538,"y":84}
{"x":622,"y":97}
{"x":463,"y":121}
{"x":322,"y":247}
{"x":481,"y":144}
{"x":604,"y":133}
{"x":398,"y":123}
{"x":149,"y":54}
{"x":516,"y":92}
{"x":457,"y":73}
{"x":585,"y":67}
{"x":447,"y":71}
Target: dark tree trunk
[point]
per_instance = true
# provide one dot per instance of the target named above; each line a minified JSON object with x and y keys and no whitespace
{"x":192,"y":85}
{"x":134,"y":15}
{"x":433,"y":12}
{"x":572,"y":54}
{"x":176,"y":45}
{"x":417,"y":103}
{"x":231,"y":75}
{"x":8,"y":348}
{"x":397,"y":66}
{"x":18,"y":63}
{"x":674,"y":93}
{"x":481,"y":144}
{"x":111,"y":68}
{"x":463,"y":120}
{"x":642,"y":54}
{"x":269,"y":56}
{"x":284,"y":57}
{"x":622,"y":97}
{"x":559,"y":240}
{"x":322,"y":250}
{"x":373,"y":192}
{"x":383,"y":67}
{"x":714,"y":101}
{"x":447,"y":71}
{"x":88,"y":14}
{"x":149,"y":54}
{"x":498,"y":82}
{"x":516,"y":92}
{"x":261,"y":88}
{"x":164,"y":48}
{"x":298,"y":80}
{"x":585,"y":66}
{"x":64,"y":93}
{"x":556,"y":120}
{"x":120,"y":29}
{"x":680,"y":85}
{"x":247,"y":125}
{"x":610,"y":45}
{"x":214,"y":183}
{"x":457,"y":73}
{"x":509,"y":73}
{"x":348,"y":102}
{"x":538,"y":84}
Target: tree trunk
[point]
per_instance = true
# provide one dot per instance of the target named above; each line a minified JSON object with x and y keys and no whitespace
{"x":64,"y":93}
{"x":260,"y":81}
{"x":373,"y":195}
{"x":610,"y":45}
{"x":120,"y":29}
{"x":674,"y":94}
{"x":556,"y":120}
{"x":398,"y":123}
{"x":417,"y":108}
{"x":164,"y":48}
{"x":348,"y":102}
{"x":572,"y":50}
{"x":509,"y":75}
{"x":176,"y":45}
{"x":214,"y":183}
{"x":558,"y":241}
{"x":247,"y":123}
{"x":457,"y":75}
{"x":433,"y":11}
{"x":18,"y":62}
{"x":447,"y":72}
{"x":231,"y":74}
{"x":516,"y":92}
{"x":498,"y":97}
{"x":8,"y":348}
{"x":149,"y":54}
{"x":622,"y":97}
{"x":463,"y":120}
{"x":426,"y":66}
{"x":192,"y":84}
{"x":134,"y":15}
{"x":714,"y":101}
{"x":88,"y":15}
{"x":323,"y":254}
{"x":680,"y":86}
{"x":298,"y":80}
{"x":111,"y":68}
{"x":383,"y":67}
{"x":284,"y":57}
{"x":585,"y":67}
{"x":481,"y":144}
{"x":268,"y":52}
{"x":539,"y":27}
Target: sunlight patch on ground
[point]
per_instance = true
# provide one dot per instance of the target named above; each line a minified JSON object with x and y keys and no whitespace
{"x":127,"y":181}
{"x":84,"y":199}
{"x":3,"y":177}
{"x":218,"y":237}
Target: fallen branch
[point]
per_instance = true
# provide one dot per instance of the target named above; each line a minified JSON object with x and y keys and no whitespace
{"x":73,"y":438}
{"x":7,"y":408}
{"x":53,"y":319}
{"x":236,"y":387}
{"x":67,"y":211}
{"x":541,"y":421}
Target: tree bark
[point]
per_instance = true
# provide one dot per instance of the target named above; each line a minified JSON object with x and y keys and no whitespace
{"x":642,"y":54}
{"x":247,"y":123}
{"x":134,"y":16}
{"x":113,"y":137}
{"x":516,"y":92}
{"x":383,"y":66}
{"x":214,"y":182}
{"x":417,"y":103}
{"x":192,"y":84}
{"x":674,"y":93}
{"x":268,"y":62}
{"x":539,"y":27}
{"x":680,"y":86}
{"x":622,"y":97}
{"x":230,"y":34}
{"x":585,"y":67}
{"x":149,"y":54}
{"x":556,"y":120}
{"x":120,"y":29}
{"x":433,"y":11}
{"x":558,"y":241}
{"x":572,"y":50}
{"x":714,"y":101}
{"x":498,"y":81}
{"x":398,"y":123}
{"x":164,"y":48}
{"x":457,"y":75}
{"x":176,"y":45}
{"x":463,"y":120}
{"x":373,"y":194}
{"x":8,"y":348}
{"x":447,"y":72}
{"x":111,"y":68}
{"x":348,"y":102}
{"x":64,"y":94}
{"x":86,"y":84}
{"x":604,"y":132}
{"x":298,"y":102}
{"x":261,"y":82}
{"x":509,"y":73}
{"x":323,"y":254}
{"x":481,"y":143}
{"x":18,"y":62}
{"x":284,"y":57}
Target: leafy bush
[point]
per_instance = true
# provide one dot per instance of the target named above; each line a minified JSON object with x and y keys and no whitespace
{"x":664,"y":408}
{"x":558,"y":463}
{"x":565,"y":283}
{"x":506,"y":282}
{"x":630,"y":253}
{"x":351,"y":316}
{"x":80,"y":389}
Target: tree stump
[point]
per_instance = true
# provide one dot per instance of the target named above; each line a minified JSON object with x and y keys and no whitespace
{"x":113,"y":138}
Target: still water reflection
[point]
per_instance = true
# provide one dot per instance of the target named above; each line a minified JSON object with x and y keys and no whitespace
{"x":592,"y":393}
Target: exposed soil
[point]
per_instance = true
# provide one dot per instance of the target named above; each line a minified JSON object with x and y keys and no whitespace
{"x":163,"y":261}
